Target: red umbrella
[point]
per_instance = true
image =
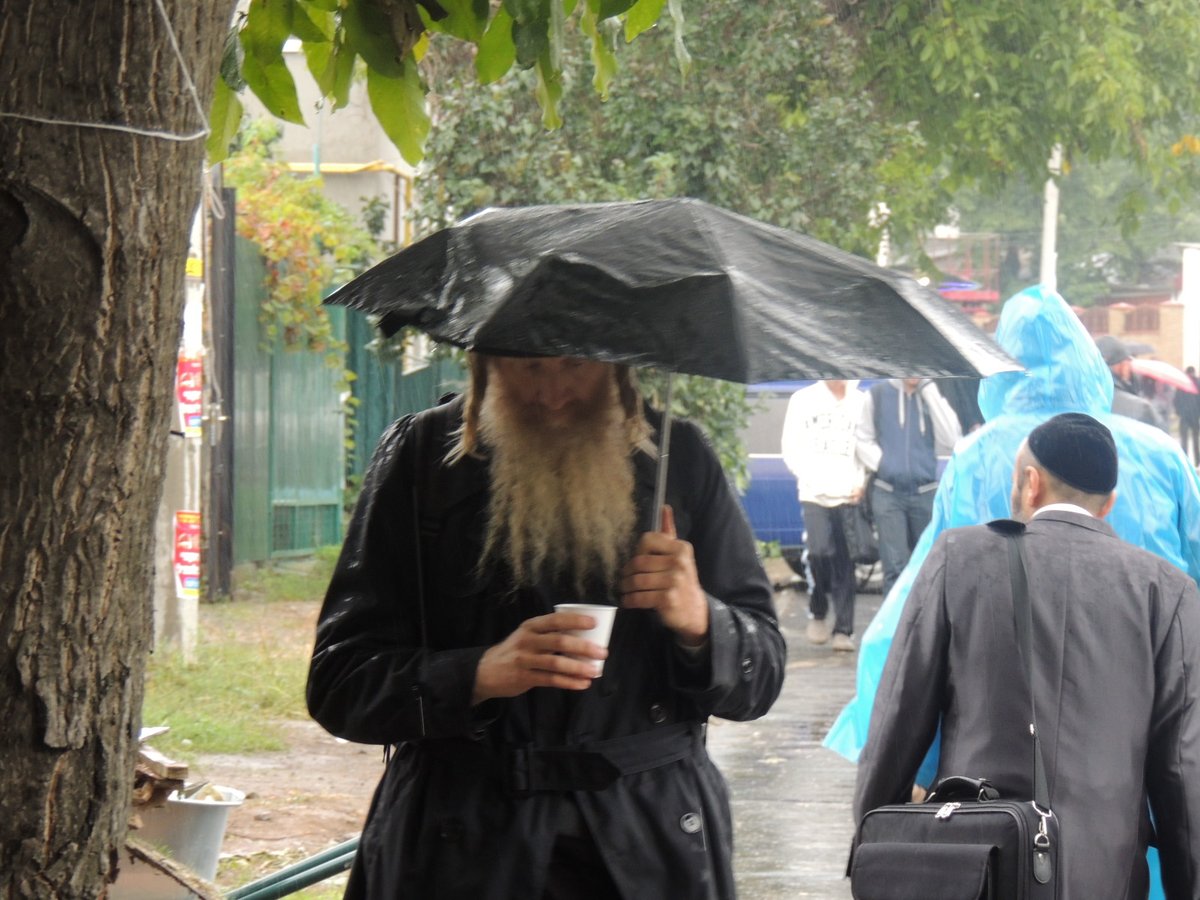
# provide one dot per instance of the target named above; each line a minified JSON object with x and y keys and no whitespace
{"x":1164,"y":372}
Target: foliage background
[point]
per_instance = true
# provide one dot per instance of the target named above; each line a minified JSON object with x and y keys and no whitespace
{"x":763,"y":125}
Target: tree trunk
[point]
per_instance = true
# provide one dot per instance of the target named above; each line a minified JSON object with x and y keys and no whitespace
{"x":93,"y":239}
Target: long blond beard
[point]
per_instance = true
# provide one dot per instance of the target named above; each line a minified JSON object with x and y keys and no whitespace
{"x":561,"y":498}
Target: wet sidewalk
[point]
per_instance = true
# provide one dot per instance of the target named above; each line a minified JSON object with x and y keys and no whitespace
{"x":791,"y":797}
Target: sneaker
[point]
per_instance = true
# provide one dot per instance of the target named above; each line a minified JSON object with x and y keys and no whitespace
{"x":843,"y":643}
{"x":817,"y":631}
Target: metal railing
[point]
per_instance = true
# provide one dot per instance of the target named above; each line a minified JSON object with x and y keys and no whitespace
{"x":300,"y":875}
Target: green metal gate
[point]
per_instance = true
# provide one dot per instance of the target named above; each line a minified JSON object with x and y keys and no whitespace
{"x":289,"y":434}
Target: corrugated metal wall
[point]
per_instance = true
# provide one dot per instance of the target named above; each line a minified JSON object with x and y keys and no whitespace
{"x":289,"y":442}
{"x":250,"y":413}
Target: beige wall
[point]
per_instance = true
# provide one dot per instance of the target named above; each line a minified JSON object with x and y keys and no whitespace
{"x":351,"y":136}
{"x":1167,"y":339}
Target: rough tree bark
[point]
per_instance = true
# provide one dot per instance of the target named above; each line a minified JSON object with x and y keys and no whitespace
{"x":93,"y":241}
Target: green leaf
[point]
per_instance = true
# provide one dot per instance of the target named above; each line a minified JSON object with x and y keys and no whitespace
{"x":326,"y":5}
{"x":268,"y":25}
{"x":319,"y":58}
{"x":642,"y":16}
{"x":532,"y":40}
{"x":610,"y":8}
{"x":555,"y":34}
{"x":465,"y":19}
{"x":497,"y":52}
{"x":223,"y":118}
{"x":272,"y":83}
{"x":549,"y":91}
{"x":315,"y":26}
{"x":231,"y":61}
{"x":343,"y":74}
{"x":604,"y":60}
{"x":681,"y":52}
{"x":369,"y":34}
{"x":527,"y":10}
{"x":399,"y":105}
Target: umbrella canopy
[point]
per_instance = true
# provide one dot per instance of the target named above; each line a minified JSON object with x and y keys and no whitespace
{"x":1158,"y":370}
{"x":677,"y":284}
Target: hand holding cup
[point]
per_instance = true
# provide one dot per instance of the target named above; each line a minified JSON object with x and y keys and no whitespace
{"x":544,"y":651}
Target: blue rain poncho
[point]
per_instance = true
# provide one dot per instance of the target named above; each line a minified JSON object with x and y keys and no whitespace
{"x":1158,"y":491}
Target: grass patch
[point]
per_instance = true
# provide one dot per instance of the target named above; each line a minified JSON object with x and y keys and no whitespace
{"x":250,"y":668}
{"x":285,"y":580}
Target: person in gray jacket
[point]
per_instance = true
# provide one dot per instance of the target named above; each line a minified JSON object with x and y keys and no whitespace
{"x":906,"y":425}
{"x":1116,"y":674}
{"x":1126,"y":400}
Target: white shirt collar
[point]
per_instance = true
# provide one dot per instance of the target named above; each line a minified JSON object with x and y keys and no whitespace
{"x":1063,"y":507}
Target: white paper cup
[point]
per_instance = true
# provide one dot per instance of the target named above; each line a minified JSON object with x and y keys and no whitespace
{"x":603,"y":616}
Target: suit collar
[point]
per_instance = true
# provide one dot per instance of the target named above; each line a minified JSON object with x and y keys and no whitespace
{"x":1071,"y":518}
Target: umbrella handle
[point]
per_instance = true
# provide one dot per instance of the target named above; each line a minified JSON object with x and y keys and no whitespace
{"x":664,"y":453}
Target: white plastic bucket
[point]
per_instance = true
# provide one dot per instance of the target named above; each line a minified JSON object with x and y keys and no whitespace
{"x":191,"y":830}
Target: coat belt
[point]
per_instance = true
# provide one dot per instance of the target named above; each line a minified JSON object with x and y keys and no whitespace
{"x":596,"y":765}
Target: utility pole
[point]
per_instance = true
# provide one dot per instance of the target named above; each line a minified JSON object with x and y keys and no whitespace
{"x":178,"y":549}
{"x":1049,"y":272}
{"x":1189,"y":296}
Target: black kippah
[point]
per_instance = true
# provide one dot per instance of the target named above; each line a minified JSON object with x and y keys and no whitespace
{"x":1078,"y":451}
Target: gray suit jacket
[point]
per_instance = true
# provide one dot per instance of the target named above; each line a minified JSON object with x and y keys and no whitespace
{"x":1116,"y":642}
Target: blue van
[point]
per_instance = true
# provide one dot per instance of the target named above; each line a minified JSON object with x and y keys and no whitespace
{"x":770,"y":501}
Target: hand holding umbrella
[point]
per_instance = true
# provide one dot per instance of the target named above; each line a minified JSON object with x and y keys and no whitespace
{"x":662,"y":576}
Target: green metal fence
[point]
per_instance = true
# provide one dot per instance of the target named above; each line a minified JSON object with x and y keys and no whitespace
{"x":289,"y":440}
{"x":291,"y":456}
{"x":385,"y":393}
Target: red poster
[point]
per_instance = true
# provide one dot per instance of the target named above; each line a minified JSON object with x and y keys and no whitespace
{"x":187,"y":555}
{"x":189,"y":392}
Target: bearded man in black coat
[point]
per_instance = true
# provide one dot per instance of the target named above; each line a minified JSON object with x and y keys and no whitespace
{"x":1116,"y":675}
{"x":518,"y":772}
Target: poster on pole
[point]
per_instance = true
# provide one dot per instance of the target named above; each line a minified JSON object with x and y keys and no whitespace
{"x":187,"y":555}
{"x":189,"y":393}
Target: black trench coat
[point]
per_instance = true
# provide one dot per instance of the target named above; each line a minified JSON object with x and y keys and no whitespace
{"x":458,"y":812}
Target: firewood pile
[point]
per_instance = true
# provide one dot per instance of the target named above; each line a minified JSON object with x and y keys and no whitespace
{"x":156,"y":775}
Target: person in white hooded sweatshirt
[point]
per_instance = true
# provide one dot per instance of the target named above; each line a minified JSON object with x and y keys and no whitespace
{"x":905,"y":426}
{"x":818,"y":448}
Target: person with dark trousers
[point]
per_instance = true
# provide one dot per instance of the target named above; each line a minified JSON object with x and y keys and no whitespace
{"x":905,"y":426}
{"x":818,"y":448}
{"x":1187,"y":407}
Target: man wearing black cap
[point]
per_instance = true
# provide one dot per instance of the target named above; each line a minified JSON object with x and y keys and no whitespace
{"x":1126,"y":401}
{"x":1116,"y":672}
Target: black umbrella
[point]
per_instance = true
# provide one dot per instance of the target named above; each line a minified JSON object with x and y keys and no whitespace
{"x":677,"y":284}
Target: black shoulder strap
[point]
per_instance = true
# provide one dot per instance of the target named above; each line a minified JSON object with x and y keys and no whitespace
{"x":1023,"y":617}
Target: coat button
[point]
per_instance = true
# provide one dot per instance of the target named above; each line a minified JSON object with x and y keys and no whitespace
{"x":747,"y":666}
{"x":658,"y":715}
{"x":690,"y":823}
